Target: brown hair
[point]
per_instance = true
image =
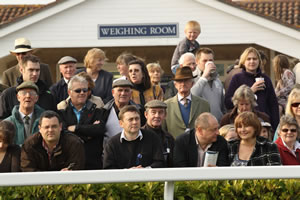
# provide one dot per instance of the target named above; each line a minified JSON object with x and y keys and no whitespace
{"x":93,"y":54}
{"x":27,"y":58}
{"x":125,"y":58}
{"x":128,"y":108}
{"x":280,"y":62}
{"x":248,"y":119}
{"x":204,"y":50}
{"x":245,"y":54}
{"x":87,"y":77}
{"x":146,"y":78}
{"x":7,"y":132}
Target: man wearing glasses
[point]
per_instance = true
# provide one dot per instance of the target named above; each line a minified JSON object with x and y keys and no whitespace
{"x":30,"y":70}
{"x":23,"y":48}
{"x":25,"y":116}
{"x":82,"y":118}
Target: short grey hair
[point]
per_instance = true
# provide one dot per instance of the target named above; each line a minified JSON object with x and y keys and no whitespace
{"x":289,"y":120}
{"x":183,"y":56}
{"x":202,"y":120}
{"x":244,"y":92}
{"x":77,"y":79}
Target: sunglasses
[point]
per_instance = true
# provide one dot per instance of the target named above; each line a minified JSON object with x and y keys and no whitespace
{"x":295,"y":104}
{"x":285,"y":130}
{"x":84,"y":90}
{"x":22,"y":53}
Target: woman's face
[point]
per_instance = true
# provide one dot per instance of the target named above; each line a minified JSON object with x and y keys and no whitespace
{"x":155,"y":75}
{"x":264,"y":132}
{"x":244,"y":105}
{"x":295,"y":106}
{"x":288,"y":133}
{"x":135,"y":73}
{"x":245,"y":132}
{"x":3,"y":145}
{"x":123,"y":69}
{"x":97,"y":64}
{"x":251,"y":63}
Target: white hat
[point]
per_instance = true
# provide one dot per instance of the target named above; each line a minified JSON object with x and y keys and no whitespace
{"x":22,"y":45}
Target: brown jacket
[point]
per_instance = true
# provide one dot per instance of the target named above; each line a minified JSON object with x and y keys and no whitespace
{"x":69,"y":150}
{"x":9,"y":76}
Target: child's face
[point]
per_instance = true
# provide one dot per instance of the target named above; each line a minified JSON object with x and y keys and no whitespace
{"x":191,"y":34}
{"x":231,"y":135}
{"x":264,"y":132}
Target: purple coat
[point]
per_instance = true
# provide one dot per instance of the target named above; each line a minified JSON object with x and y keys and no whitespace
{"x":266,"y":99}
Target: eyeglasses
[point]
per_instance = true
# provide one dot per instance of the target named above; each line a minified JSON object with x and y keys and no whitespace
{"x":24,"y":93}
{"x":293,"y":130}
{"x":295,"y":104}
{"x":84,"y":90}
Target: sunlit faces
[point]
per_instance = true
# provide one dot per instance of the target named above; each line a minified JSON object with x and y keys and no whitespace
{"x":27,"y":98}
{"x":97,"y":64}
{"x":209,"y":135}
{"x":245,"y":132}
{"x":155,"y":116}
{"x":189,"y":61}
{"x":131,"y":123}
{"x":184,"y":86}
{"x":191,"y":34}
{"x":155,"y":75}
{"x":244,"y":105}
{"x":30,"y":72}
{"x":251,"y":63}
{"x":135,"y":73}
{"x":50,"y":129}
{"x":288,"y":133}
{"x":123,"y":69}
{"x":67,"y":70}
{"x":203,"y":59}
{"x":121,"y":95}
{"x":295,"y":107}
{"x":78,"y":99}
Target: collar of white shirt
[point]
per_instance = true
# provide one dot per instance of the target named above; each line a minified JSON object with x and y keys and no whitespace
{"x":140,"y":135}
{"x":180,"y":98}
{"x":296,"y":146}
{"x":23,"y":115}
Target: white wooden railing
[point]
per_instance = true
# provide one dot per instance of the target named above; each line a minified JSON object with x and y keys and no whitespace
{"x":167,"y":175}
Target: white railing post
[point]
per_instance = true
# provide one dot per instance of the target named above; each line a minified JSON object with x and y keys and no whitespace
{"x":169,"y":190}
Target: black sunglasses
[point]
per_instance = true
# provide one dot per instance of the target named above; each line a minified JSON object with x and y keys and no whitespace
{"x":22,"y":53}
{"x":295,"y":104}
{"x":81,"y":89}
{"x":293,"y":130}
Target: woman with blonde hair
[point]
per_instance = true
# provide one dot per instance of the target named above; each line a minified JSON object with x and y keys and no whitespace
{"x":94,"y":61}
{"x":251,"y":149}
{"x":285,"y":79}
{"x":155,"y":72}
{"x":260,"y":84}
{"x":228,"y":132}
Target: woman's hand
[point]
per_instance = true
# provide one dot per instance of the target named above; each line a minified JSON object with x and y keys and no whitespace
{"x":258,"y":85}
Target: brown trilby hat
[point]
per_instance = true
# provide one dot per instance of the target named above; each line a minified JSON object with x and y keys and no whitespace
{"x":183,"y":73}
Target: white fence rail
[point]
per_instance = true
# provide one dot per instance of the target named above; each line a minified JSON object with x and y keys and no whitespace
{"x":167,"y":175}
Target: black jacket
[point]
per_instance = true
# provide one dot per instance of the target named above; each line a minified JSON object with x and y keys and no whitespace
{"x":59,"y":91}
{"x":92,"y":134}
{"x":8,"y":99}
{"x":186,"y":150}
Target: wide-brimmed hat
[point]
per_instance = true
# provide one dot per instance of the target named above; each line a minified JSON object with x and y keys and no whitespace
{"x":183,"y":73}
{"x":22,"y":45}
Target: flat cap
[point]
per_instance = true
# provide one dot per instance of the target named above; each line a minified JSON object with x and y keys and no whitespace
{"x":66,"y":59}
{"x":26,"y":85}
{"x":122,"y":83}
{"x":156,"y":104}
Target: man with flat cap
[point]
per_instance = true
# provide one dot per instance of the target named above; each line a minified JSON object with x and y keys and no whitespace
{"x":67,"y":68}
{"x":184,"y":108}
{"x":25,"y":116}
{"x":23,"y":48}
{"x":121,"y":91}
{"x":156,"y":113}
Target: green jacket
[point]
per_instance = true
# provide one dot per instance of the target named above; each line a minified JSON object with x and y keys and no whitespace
{"x":18,"y":122}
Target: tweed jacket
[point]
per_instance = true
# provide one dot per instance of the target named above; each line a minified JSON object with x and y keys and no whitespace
{"x":174,"y":123}
{"x":10,"y":76}
{"x":155,"y":92}
{"x":265,"y":153}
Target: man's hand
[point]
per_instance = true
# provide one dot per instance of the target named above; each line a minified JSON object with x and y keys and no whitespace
{"x":209,"y":68}
{"x":72,"y":128}
{"x":137,"y":167}
{"x":97,"y":122}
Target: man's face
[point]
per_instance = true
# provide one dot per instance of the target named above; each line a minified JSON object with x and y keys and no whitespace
{"x":67,"y":70}
{"x":209,"y":135}
{"x":50,"y":129}
{"x":131,"y":123}
{"x":190,"y":62}
{"x":19,"y":56}
{"x":78,"y":94}
{"x":27,"y":98}
{"x":122,"y":95}
{"x":155,"y":116}
{"x":30,"y":72}
{"x":184,"y":86}
{"x":203,"y":59}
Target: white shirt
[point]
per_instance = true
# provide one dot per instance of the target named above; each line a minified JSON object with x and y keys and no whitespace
{"x":296,"y":146}
{"x":180,"y":98}
{"x":201,"y":152}
{"x":123,"y":136}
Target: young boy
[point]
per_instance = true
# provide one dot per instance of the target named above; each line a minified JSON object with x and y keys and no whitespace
{"x":188,"y":44}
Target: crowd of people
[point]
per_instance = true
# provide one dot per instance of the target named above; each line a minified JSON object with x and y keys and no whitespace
{"x":88,"y":120}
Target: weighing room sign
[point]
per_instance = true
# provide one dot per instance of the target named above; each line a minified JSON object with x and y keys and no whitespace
{"x":137,"y":30}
